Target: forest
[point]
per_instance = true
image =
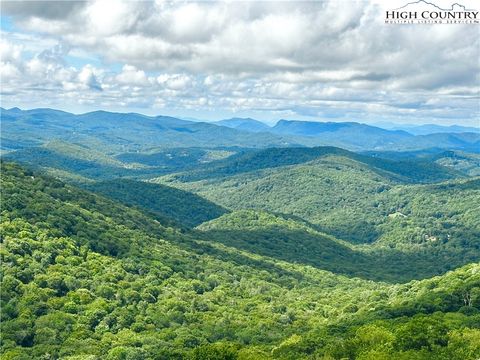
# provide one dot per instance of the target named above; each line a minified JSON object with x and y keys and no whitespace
{"x":240,"y":249}
{"x":86,"y":276}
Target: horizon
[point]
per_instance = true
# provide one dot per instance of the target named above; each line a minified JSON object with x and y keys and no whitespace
{"x":218,"y":60}
{"x":382,"y":124}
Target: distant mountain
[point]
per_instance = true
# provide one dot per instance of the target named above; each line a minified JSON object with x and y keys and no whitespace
{"x":311,"y":128}
{"x":433,"y":129}
{"x":116,"y":133}
{"x":349,"y":135}
{"x":357,"y":137}
{"x":123,"y":133}
{"x":246,"y":124}
{"x":451,"y":141}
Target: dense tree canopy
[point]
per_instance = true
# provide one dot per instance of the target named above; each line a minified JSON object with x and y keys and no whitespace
{"x":85,"y":277}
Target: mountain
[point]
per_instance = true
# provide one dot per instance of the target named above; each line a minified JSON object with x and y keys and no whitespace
{"x":460,"y":161}
{"x":84,"y":276}
{"x":80,"y":164}
{"x":448,"y":141}
{"x":104,"y":145}
{"x":427,"y":129}
{"x":464,"y":162}
{"x":349,"y":135}
{"x":176,"y":158}
{"x":311,"y":128}
{"x":354,"y":198}
{"x":74,"y":162}
{"x":289,"y":238}
{"x":356,"y":136}
{"x":405,"y":170}
{"x":115,"y":133}
{"x":246,"y":124}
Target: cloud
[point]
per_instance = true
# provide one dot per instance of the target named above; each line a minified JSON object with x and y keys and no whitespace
{"x":55,"y":54}
{"x":130,"y":75}
{"x":58,"y":10}
{"x":9,"y":52}
{"x":87,"y":77}
{"x":174,"y":81}
{"x":8,"y":71}
{"x":306,"y":58}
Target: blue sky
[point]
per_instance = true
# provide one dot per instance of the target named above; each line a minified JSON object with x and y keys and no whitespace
{"x":323,"y":61}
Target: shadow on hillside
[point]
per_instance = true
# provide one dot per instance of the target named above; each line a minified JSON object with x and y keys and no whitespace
{"x":184,"y":208}
{"x":359,"y":232}
{"x":388,"y":265}
{"x":202,"y":248}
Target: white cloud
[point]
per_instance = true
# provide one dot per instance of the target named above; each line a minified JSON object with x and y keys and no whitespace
{"x":322,"y":58}
{"x":109,"y":17}
{"x":9,"y":52}
{"x":130,"y":75}
{"x":174,"y":81}
{"x":87,"y":77}
{"x":8,"y":71}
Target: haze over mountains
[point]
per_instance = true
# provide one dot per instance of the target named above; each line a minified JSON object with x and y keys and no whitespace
{"x":132,"y":132}
{"x":246,"y":124}
{"x":253,"y":125}
{"x":429,"y":128}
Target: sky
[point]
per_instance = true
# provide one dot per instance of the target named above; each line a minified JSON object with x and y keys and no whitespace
{"x":318,"y":60}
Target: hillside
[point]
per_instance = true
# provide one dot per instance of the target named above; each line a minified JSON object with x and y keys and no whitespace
{"x":74,"y":162}
{"x":185,"y":208}
{"x":176,"y":158}
{"x":460,"y":161}
{"x":403,"y":170}
{"x":79,"y":164}
{"x":291,"y":239}
{"x":86,"y":276}
{"x":349,"y":199}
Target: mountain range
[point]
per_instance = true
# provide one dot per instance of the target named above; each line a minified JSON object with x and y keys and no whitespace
{"x":426,"y":129}
{"x":109,"y":132}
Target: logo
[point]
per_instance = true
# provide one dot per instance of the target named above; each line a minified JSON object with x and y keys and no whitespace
{"x":423,"y":12}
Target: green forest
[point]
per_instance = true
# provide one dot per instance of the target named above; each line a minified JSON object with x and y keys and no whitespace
{"x":311,"y":254}
{"x":114,"y":248}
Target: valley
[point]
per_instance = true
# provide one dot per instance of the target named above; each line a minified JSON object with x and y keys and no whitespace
{"x":244,"y":244}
